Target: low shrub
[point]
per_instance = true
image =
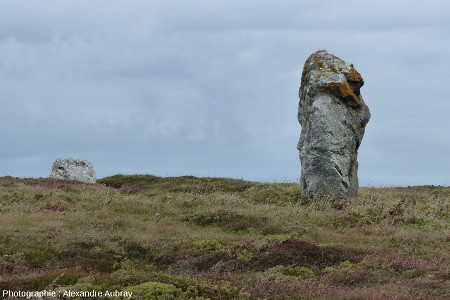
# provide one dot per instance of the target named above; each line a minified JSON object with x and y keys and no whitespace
{"x":300,"y":272}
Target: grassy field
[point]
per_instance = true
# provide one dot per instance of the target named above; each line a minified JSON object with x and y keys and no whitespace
{"x":218,"y":238}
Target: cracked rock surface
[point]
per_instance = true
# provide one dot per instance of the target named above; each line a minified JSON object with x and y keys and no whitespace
{"x":73,"y":169}
{"x":333,"y":116}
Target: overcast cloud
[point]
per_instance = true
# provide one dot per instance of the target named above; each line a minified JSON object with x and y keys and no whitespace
{"x":210,"y":88}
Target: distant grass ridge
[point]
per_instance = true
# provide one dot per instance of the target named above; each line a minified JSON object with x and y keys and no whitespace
{"x":135,"y":183}
{"x":219,"y":238}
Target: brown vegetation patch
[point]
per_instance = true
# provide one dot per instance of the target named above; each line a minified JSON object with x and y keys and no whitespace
{"x":232,"y":221}
{"x":300,"y":253}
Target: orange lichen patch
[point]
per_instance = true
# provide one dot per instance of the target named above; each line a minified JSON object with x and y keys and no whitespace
{"x":344,"y":90}
{"x":334,"y":69}
{"x":353,"y":75}
{"x":318,"y":62}
{"x":327,"y":63}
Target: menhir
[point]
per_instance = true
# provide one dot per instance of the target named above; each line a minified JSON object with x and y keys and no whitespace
{"x":333,"y":116}
{"x":73,"y":169}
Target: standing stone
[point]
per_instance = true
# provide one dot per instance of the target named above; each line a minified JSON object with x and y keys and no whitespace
{"x":73,"y":169}
{"x":333,"y":116}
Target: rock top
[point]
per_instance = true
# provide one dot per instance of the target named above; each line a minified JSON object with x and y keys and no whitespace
{"x":333,"y":116}
{"x":73,"y":169}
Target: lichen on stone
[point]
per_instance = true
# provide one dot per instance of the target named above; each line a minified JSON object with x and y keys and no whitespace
{"x":322,"y":67}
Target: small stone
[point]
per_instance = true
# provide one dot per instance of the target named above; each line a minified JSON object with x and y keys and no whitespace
{"x":73,"y":169}
{"x":333,"y":116}
{"x":223,"y":267}
{"x":183,"y":267}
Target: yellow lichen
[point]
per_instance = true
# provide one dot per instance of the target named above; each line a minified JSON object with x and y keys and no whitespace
{"x":353,"y":75}
{"x":344,"y":90}
{"x":318,"y":63}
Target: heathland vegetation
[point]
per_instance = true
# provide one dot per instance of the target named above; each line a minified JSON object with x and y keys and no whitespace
{"x":217,"y":238}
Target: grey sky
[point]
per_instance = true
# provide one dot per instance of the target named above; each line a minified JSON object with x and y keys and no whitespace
{"x":210,"y":88}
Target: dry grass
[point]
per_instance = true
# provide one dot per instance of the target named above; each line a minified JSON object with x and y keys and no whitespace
{"x":218,"y":238}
